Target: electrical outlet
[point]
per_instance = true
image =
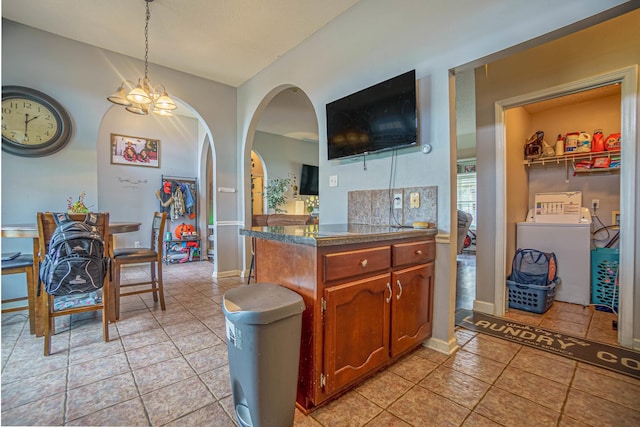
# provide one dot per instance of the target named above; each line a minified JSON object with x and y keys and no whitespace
{"x":397,"y":201}
{"x":333,"y":181}
{"x":595,"y":203}
{"x":415,"y":200}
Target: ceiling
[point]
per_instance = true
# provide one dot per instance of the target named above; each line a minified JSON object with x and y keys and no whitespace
{"x":228,"y":41}
{"x":574,"y":98}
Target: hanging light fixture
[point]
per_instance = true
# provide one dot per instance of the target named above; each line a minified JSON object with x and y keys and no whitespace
{"x":144,"y":96}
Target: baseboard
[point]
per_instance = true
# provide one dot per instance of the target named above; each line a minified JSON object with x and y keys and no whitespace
{"x":441,"y":346}
{"x":223,"y":274}
{"x":483,"y":307}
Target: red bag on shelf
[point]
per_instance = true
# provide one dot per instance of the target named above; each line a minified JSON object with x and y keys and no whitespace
{"x":601,"y":162}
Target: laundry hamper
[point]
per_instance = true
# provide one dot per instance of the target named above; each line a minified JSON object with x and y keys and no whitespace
{"x":533,"y":280}
{"x":604,"y":279}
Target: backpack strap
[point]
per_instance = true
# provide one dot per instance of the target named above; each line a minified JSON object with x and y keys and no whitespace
{"x":92,"y":218}
{"x":61,"y":218}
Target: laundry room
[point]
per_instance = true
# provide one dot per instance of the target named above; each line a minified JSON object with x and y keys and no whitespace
{"x":563,"y":178}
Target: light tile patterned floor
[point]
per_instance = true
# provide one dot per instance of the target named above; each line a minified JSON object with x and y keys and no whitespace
{"x":170,"y":368}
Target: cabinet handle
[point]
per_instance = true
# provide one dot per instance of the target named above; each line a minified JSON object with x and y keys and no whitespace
{"x":399,"y":289}
{"x":363,"y":263}
{"x":419,"y":252}
{"x":390,"y":292}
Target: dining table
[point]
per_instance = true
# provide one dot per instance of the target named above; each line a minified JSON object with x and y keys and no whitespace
{"x":30,"y":231}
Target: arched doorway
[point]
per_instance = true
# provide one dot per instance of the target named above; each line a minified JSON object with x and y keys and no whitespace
{"x":284,"y":135}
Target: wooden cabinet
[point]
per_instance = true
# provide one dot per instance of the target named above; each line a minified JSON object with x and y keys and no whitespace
{"x":356,"y":330}
{"x":412,"y":307}
{"x":366,"y":305}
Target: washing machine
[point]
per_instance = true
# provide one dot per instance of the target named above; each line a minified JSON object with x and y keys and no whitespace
{"x":558,"y":223}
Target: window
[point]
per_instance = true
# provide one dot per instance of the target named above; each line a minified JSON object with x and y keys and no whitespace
{"x":467,"y":195}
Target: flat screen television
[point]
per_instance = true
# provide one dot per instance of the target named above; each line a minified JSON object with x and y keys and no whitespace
{"x":309,"y":180}
{"x":380,"y":117}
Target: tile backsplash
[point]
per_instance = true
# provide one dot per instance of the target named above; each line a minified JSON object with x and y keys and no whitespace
{"x":375,"y":207}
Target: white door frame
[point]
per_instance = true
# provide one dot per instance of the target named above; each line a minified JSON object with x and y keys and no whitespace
{"x":627,"y":77}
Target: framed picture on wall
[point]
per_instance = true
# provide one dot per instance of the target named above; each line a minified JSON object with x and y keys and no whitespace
{"x":135,"y":151}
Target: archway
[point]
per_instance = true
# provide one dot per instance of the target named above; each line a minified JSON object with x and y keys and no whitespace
{"x":284,"y":133}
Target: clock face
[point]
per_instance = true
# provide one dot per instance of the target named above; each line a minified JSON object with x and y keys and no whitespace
{"x":28,"y":122}
{"x":33,"y":123}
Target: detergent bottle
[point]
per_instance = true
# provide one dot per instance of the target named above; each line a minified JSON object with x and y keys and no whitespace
{"x":584,"y":143}
{"x":571,"y":142}
{"x":560,"y":146}
{"x":597,"y":144}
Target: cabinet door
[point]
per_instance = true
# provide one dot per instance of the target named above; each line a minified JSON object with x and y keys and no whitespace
{"x":356,"y":330}
{"x":411,"y":307}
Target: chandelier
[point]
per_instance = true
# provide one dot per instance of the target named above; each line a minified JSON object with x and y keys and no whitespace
{"x":144,"y":96}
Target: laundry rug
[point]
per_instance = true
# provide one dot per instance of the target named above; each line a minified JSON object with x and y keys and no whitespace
{"x":617,"y":359}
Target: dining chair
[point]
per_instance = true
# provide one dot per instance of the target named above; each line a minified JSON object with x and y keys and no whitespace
{"x":56,"y":306}
{"x":22,"y":263}
{"x":151,"y":255}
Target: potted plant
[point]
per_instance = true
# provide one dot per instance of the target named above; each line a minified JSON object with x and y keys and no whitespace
{"x":276,"y":193}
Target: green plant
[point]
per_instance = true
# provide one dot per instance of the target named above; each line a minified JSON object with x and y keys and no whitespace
{"x":276,"y":193}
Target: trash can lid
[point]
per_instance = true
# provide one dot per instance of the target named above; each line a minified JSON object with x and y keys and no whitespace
{"x":261,"y":303}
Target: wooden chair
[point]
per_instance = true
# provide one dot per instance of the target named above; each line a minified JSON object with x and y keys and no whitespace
{"x":46,"y":227}
{"x":23,"y":263}
{"x":151,"y":255}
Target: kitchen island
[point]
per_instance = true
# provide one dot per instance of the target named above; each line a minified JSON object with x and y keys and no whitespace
{"x":368,"y":292}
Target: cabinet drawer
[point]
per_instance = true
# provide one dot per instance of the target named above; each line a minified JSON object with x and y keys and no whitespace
{"x":355,"y":263}
{"x":413,"y":253}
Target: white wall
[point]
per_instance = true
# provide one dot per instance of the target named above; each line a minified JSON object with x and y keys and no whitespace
{"x":80,"y":77}
{"x":375,"y":40}
{"x":130,"y":190}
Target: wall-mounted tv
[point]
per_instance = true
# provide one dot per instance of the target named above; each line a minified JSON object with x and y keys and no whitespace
{"x":380,"y":117}
{"x":309,"y":180}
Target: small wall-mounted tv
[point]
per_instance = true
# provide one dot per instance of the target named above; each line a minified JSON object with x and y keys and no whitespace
{"x":380,"y":117}
{"x":309,"y":180}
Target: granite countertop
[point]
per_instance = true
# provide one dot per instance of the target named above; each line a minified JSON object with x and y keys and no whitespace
{"x":335,"y":234}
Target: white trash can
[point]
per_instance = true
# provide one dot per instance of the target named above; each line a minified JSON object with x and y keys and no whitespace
{"x":263,"y":324}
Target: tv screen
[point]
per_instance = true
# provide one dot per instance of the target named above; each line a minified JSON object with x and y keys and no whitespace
{"x":381,"y":117}
{"x":309,"y":180}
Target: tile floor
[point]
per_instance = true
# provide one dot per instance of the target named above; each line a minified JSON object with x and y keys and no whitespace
{"x":170,"y":368}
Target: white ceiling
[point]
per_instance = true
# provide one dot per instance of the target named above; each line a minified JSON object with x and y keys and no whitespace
{"x":228,"y":41}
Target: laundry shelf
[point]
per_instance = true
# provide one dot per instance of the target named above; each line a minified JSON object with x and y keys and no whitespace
{"x":571,"y":157}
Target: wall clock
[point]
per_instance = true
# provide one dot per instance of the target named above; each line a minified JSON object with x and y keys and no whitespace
{"x":33,"y":123}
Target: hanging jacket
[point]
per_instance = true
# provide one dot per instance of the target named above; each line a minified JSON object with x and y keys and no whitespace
{"x":177,"y":208}
{"x":187,"y":196}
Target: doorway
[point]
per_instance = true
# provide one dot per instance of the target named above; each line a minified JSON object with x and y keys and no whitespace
{"x":505,"y":223}
{"x":257,"y":185}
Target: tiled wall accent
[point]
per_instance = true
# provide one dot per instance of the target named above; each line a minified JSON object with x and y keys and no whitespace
{"x":373,"y":206}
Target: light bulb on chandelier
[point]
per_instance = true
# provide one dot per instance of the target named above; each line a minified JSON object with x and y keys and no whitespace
{"x":144,"y":96}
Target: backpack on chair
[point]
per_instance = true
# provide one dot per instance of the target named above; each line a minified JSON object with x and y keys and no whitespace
{"x":75,"y":262}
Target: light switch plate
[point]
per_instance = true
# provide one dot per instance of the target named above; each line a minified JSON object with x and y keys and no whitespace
{"x":415,"y":200}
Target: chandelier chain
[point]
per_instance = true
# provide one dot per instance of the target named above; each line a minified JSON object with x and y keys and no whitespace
{"x":144,"y":97}
{"x":146,"y":40}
